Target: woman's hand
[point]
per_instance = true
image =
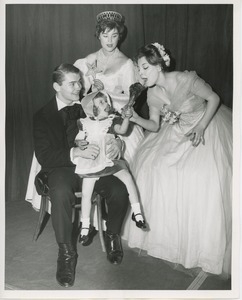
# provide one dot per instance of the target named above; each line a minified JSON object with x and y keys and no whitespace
{"x":134,"y":117}
{"x":196,"y":135}
{"x":126,"y":112}
{"x":97,"y":85}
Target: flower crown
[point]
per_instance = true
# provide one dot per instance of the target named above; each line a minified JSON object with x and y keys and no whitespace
{"x":110,"y":16}
{"x":163,"y":53}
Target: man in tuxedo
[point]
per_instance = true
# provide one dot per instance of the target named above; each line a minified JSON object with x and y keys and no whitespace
{"x":55,"y":128}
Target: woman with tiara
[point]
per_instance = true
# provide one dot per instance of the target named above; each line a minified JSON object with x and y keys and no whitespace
{"x":110,"y":69}
{"x":183,"y":168}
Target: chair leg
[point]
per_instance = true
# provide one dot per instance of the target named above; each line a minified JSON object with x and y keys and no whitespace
{"x":73,"y":214}
{"x":99,"y":220}
{"x":43,"y":217}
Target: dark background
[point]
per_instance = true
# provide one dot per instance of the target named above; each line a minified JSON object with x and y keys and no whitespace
{"x":41,"y":36}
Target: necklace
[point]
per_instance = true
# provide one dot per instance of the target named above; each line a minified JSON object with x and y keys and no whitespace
{"x":105,"y":61}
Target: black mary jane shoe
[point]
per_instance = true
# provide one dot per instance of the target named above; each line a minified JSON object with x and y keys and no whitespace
{"x":86,"y":240}
{"x":139,"y":224}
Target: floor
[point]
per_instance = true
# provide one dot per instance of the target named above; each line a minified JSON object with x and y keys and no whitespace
{"x":31,"y":265}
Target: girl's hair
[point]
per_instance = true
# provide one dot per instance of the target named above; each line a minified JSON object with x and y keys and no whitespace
{"x":109,"y":25}
{"x":101,"y":95}
{"x":152,"y":55}
{"x":106,"y":97}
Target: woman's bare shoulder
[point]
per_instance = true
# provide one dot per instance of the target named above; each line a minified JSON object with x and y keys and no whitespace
{"x":91,"y":57}
{"x":154,"y":92}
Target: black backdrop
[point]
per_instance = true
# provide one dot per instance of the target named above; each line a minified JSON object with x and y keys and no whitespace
{"x":41,"y":36}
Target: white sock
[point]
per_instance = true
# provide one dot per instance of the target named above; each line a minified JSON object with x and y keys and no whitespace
{"x":85,"y":226}
{"x":137,"y":210}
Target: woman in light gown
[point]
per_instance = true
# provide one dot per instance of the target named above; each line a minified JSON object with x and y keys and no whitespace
{"x":109,"y":68}
{"x":183,"y":168}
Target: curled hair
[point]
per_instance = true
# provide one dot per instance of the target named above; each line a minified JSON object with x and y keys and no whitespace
{"x":109,"y":25}
{"x":61,"y":70}
{"x":152,"y":55}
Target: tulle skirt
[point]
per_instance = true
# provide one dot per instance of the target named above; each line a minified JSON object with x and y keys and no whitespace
{"x":132,"y":141}
{"x":185,"y":193}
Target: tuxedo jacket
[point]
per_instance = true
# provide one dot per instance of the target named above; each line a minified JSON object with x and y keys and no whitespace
{"x":51,"y":145}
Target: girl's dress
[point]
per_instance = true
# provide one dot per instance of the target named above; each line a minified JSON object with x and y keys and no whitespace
{"x":98,"y":132}
{"x":185,"y":190}
{"x":117,"y":74}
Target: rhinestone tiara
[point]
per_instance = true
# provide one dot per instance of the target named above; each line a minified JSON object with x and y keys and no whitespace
{"x":110,"y":16}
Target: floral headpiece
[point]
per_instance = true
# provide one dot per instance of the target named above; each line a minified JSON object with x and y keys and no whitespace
{"x":110,"y":16}
{"x":163,"y":53}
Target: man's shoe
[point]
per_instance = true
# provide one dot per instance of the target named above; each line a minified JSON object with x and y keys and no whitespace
{"x":86,"y":240}
{"x":114,"y":248}
{"x":66,"y":265}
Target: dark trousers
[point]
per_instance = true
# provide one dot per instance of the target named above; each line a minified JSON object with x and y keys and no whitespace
{"x":63,"y":183}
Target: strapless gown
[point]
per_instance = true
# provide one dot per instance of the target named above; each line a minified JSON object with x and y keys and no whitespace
{"x":186,"y":191}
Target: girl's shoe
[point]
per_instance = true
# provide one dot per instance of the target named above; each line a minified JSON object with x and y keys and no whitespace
{"x":140,"y":224}
{"x":86,"y":240}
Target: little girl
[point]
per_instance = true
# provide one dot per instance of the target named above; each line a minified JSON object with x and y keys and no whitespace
{"x":98,"y":130}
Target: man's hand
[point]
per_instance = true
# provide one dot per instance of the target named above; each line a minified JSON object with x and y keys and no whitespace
{"x":114,"y":148}
{"x":91,"y":151}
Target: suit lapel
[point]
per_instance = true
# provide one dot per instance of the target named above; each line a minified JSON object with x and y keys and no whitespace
{"x":56,"y":126}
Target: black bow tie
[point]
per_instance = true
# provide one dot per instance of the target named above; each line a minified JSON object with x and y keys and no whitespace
{"x":74,"y":112}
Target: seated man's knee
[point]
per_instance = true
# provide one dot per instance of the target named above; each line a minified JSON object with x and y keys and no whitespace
{"x":120,"y":190}
{"x":111,"y":186}
{"x":61,"y":188}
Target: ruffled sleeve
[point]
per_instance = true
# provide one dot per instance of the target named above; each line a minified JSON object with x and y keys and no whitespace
{"x":189,"y":85}
{"x":81,"y":64}
{"x":190,"y":82}
{"x":116,"y":121}
{"x":201,"y":88}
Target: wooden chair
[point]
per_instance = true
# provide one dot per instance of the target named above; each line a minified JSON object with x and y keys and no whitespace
{"x":43,"y":190}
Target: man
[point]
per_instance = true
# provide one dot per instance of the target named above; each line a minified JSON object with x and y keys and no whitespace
{"x":54,"y":133}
